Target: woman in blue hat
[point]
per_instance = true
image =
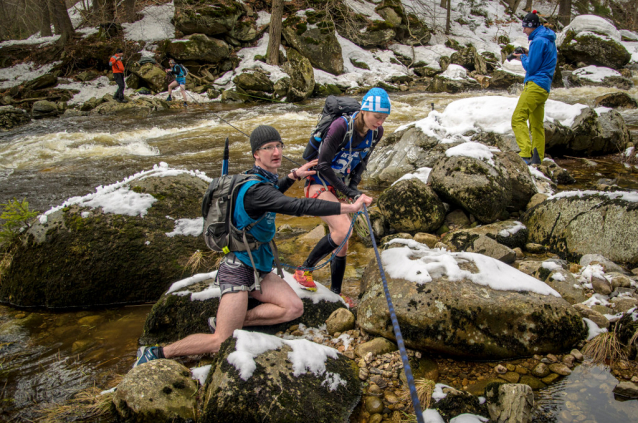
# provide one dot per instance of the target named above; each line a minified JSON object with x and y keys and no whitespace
{"x":339,"y":172}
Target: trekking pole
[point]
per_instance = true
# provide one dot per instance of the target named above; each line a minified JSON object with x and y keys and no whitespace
{"x":395,"y":326}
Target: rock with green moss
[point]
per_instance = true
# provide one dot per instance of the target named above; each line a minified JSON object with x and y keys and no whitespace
{"x":185,"y":308}
{"x":283,"y":381}
{"x":573,"y":224}
{"x":583,"y":78}
{"x":302,"y":76}
{"x":199,"y":47}
{"x":453,"y":80}
{"x":245,"y":30}
{"x":318,"y":43}
{"x":12,"y":117}
{"x":503,"y":79}
{"x":85,"y":254}
{"x":470,"y":59}
{"x":153,"y":76}
{"x":412,"y":206}
{"x":255,"y":80}
{"x":478,"y":187}
{"x":202,"y":17}
{"x":593,"y":49}
{"x":140,"y":106}
{"x":157,"y":391}
{"x":511,"y":233}
{"x":456,"y":316}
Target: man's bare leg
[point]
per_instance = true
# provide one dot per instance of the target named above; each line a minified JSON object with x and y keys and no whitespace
{"x":171,"y":86}
{"x":280,"y":303}
{"x":230,"y":316}
{"x":183,"y":89}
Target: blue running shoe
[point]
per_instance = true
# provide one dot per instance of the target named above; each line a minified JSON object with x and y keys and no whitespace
{"x":212,"y":324}
{"x":146,"y":354}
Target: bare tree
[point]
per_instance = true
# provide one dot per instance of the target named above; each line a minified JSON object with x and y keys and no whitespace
{"x":565,"y":11}
{"x":129,"y":11}
{"x":61,"y":20}
{"x":275,"y":32}
{"x":447,"y":17}
{"x":513,"y":4}
{"x":528,"y":6}
{"x":45,"y":18}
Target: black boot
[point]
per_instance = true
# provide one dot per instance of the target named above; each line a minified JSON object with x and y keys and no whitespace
{"x":324,"y":247}
{"x":536,"y":159}
{"x":337,"y":270}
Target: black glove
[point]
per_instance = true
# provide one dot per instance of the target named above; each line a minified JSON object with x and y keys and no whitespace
{"x":353,"y":193}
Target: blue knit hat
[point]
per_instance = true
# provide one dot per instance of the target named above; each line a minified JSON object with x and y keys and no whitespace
{"x":376,"y":100}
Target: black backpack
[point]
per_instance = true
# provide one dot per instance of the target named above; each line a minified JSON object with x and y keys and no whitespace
{"x":217,"y":209}
{"x":334,"y":108}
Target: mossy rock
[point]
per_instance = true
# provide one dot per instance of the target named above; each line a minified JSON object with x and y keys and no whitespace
{"x":202,"y":17}
{"x":412,"y":206}
{"x":593,"y":49}
{"x":84,"y":257}
{"x":198,"y":47}
{"x":278,"y":392}
{"x":319,"y":45}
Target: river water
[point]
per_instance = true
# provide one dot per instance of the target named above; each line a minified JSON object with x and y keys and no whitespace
{"x":47,"y":357}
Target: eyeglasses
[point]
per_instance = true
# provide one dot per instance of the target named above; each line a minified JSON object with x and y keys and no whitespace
{"x":271,"y":148}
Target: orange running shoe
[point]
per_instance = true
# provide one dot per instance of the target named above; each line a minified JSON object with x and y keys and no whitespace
{"x":305,"y":279}
{"x":348,"y":301}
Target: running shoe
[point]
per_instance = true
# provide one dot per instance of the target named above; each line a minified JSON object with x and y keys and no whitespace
{"x":212,"y":324}
{"x":146,"y":354}
{"x":169,"y":98}
{"x":185,"y":104}
{"x":305,"y":279}
{"x":347,"y":300}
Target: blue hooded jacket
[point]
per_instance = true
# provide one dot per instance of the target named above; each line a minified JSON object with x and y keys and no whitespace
{"x":540,"y":64}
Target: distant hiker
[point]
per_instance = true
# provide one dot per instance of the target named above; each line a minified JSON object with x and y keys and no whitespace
{"x":343,"y":156}
{"x":118,"y":74}
{"x":539,"y":64}
{"x":256,"y":199}
{"x":179,"y":72}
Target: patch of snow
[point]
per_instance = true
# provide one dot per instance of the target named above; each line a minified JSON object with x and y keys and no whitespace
{"x":192,"y":227}
{"x":364,"y":8}
{"x":474,"y":150}
{"x":593,"y":329}
{"x":595,"y":73}
{"x":550,"y":265}
{"x":597,"y":299}
{"x":469,"y":418}
{"x":263,"y":18}
{"x":559,"y":277}
{"x":201,"y":373}
{"x":438,"y":394}
{"x":431,"y":415}
{"x":23,"y":72}
{"x":589,"y":24}
{"x":507,"y":232}
{"x":155,"y":26}
{"x":422,"y":174}
{"x":629,"y":196}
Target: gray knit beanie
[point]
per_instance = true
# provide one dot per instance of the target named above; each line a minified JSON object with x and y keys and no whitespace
{"x":263,"y":134}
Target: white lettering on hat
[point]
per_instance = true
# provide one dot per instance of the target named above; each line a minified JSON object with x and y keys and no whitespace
{"x":379,"y":108}
{"x":369,"y":102}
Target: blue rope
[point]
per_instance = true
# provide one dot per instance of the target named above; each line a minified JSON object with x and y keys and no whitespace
{"x":397,"y":330}
{"x":334,"y":253}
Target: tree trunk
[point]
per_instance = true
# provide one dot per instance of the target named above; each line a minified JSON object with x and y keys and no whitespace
{"x":45,"y":18}
{"x":447,"y":18}
{"x":443,"y":3}
{"x":514,"y":5}
{"x":105,"y":10}
{"x":272,"y":55}
{"x":528,"y":6}
{"x":129,"y":11}
{"x":565,"y":11}
{"x":61,"y":20}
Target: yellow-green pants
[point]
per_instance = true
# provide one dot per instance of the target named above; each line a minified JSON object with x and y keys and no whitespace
{"x":531,"y":106}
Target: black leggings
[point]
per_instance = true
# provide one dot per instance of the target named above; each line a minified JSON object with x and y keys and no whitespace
{"x":119,"y":79}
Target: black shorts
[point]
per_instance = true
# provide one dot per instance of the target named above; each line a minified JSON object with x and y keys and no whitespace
{"x":235,"y":276}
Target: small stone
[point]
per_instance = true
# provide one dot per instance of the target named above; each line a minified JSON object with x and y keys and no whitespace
{"x":601,"y":285}
{"x":577,"y":354}
{"x":376,"y":418}
{"x":500,"y":369}
{"x":363,"y":374}
{"x":521,"y":370}
{"x":519,"y":253}
{"x":534,"y":248}
{"x":510,"y":367}
{"x":560,"y":368}
{"x":390,"y":398}
{"x":552,"y":358}
{"x":626,"y":389}
{"x":574,"y":268}
{"x":381,"y":383}
{"x":541,"y":370}
{"x":634,"y":379}
{"x":373,"y":404}
{"x":569,"y":360}
{"x":549,"y":379}
{"x":511,"y":377}
{"x":297,"y":333}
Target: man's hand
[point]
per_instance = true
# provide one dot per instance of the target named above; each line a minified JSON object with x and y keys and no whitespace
{"x":303,"y":171}
{"x":357,"y":205}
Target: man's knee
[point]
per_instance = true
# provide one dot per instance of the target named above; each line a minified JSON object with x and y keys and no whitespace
{"x":294,"y":309}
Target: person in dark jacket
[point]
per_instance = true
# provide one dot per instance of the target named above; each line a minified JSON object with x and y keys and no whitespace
{"x":539,"y":64}
{"x":339,"y":172}
{"x":178,"y":72}
{"x":118,"y":74}
{"x":279,"y":302}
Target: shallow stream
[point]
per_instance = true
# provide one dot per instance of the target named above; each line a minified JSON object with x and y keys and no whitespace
{"x":49,"y":356}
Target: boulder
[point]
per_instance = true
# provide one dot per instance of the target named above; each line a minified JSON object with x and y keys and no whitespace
{"x":43,"y":109}
{"x":140,"y":106}
{"x":626,"y":390}
{"x":616,"y":100}
{"x":478,"y":187}
{"x":152,"y":75}
{"x":453,"y":80}
{"x":412,"y":206}
{"x":160,"y":390}
{"x":520,"y":178}
{"x":503,"y":79}
{"x":192,"y":16}
{"x":340,"y":320}
{"x":567,"y":286}
{"x":580,"y":44}
{"x":12,"y":117}
{"x":184,"y":309}
{"x":245,"y":30}
{"x":608,"y":265}
{"x":470,"y":59}
{"x":441,"y":310}
{"x":45,"y":81}
{"x":489,"y":247}
{"x":556,"y":173}
{"x":599,"y":77}
{"x":458,"y":404}
{"x":258,"y":377}
{"x":377,"y":346}
{"x":254,"y":80}
{"x":572,"y":224}
{"x":86,"y":254}
{"x":319,"y":44}
{"x":510,"y":233}
{"x":198,"y":47}
{"x":302,"y":76}
{"x":510,"y":403}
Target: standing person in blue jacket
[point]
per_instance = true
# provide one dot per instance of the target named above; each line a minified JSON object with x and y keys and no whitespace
{"x":180,"y":80}
{"x":339,"y":172}
{"x":256,"y":199}
{"x":539,"y":64}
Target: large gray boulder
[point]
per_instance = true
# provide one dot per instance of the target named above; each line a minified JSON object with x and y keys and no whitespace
{"x":412,"y":206}
{"x":478,"y":187}
{"x":12,"y":117}
{"x":589,"y":76}
{"x":198,"y":47}
{"x":572,"y":224}
{"x":510,"y":403}
{"x":319,"y":44}
{"x":510,"y":233}
{"x":140,"y":106}
{"x":503,"y":79}
{"x":193,"y":16}
{"x":157,"y":391}
{"x":93,"y":244}
{"x":453,"y":80}
{"x":567,"y":286}
{"x":258,"y":377}
{"x":254,"y":80}
{"x":302,"y":76}
{"x":456,"y":312}
{"x":152,"y":75}
{"x":43,"y":109}
{"x":470,"y":59}
{"x":186,"y":306}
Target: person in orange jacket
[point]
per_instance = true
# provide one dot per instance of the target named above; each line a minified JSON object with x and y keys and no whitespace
{"x":118,"y":75}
